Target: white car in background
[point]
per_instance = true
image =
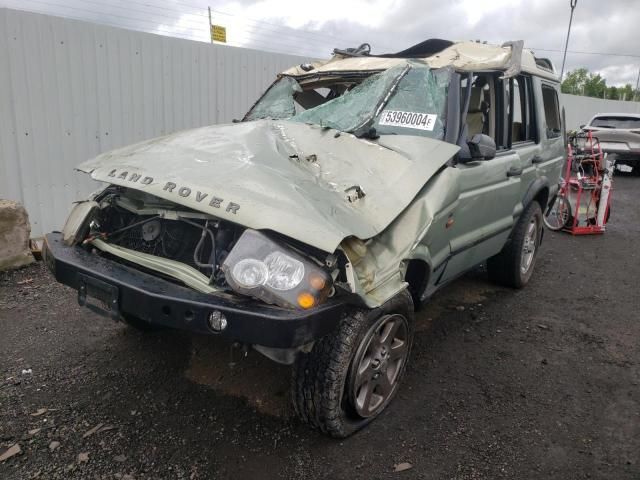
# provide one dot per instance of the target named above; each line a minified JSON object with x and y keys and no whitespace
{"x":619,"y":134}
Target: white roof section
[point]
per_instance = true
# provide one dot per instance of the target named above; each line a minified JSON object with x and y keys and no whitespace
{"x":625,"y":114}
{"x":464,"y":56}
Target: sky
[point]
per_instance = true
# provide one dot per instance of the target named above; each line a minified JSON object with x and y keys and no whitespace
{"x":313,"y":29}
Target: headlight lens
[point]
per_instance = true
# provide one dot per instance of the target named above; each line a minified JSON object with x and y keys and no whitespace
{"x":259,"y":267}
{"x":250,"y":273}
{"x":285,"y":272}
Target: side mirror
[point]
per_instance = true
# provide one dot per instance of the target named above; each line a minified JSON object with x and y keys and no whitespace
{"x":582,"y":126}
{"x":482,"y":147}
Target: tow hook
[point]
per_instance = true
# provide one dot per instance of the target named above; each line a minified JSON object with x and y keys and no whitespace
{"x":237,"y":352}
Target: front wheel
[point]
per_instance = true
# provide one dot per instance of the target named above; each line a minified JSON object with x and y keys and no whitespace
{"x":352,"y":374}
{"x":513,"y":266}
{"x":558,"y":214}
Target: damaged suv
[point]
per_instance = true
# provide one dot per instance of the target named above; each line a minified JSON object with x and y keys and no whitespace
{"x":310,"y":231}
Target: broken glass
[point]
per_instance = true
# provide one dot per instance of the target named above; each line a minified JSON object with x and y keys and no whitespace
{"x":357,"y":106}
{"x":418,"y":105}
{"x":277,"y":102}
{"x":408,"y":99}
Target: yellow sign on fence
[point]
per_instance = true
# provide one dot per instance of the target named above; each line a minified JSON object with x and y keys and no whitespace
{"x":218,"y":33}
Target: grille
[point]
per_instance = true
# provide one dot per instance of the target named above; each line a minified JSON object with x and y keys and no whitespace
{"x":164,"y":238}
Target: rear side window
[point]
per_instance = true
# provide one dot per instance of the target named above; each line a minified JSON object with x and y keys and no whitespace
{"x":521,"y":110}
{"x":616,"y":122}
{"x":551,"y":111}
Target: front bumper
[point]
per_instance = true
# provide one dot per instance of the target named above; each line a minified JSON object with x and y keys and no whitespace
{"x":129,"y":291}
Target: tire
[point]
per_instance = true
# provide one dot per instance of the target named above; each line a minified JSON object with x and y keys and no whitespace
{"x":325,"y":390}
{"x":558,"y":214}
{"x":513,"y":266}
{"x":139,"y":324}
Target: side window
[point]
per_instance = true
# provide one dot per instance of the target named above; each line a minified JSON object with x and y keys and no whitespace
{"x":489,"y":109}
{"x":551,"y":111}
{"x":480,"y":116}
{"x":521,"y":111}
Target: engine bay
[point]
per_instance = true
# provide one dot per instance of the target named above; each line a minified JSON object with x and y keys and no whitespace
{"x":161,"y":237}
{"x":144,"y":223}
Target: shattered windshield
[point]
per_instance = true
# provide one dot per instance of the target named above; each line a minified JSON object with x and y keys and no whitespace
{"x":418,"y":105}
{"x":277,"y":102}
{"x":408,"y":99}
{"x":357,"y":106}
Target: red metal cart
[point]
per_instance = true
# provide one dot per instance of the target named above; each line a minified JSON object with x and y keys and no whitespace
{"x":583,"y":202}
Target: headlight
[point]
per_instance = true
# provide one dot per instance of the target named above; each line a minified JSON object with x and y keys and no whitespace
{"x":250,"y":273}
{"x":77,"y":222}
{"x":259,"y":267}
{"x":285,"y":272}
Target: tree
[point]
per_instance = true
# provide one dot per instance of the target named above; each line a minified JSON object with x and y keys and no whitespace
{"x":574,"y":81}
{"x":613,"y":93}
{"x":626,"y":92}
{"x":582,"y":82}
{"x":595,"y":86}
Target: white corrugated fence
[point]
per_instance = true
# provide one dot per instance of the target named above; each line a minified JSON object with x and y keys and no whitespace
{"x":70,"y":90}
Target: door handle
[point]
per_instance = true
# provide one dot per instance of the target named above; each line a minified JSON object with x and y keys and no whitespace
{"x":514,"y":172}
{"x":537,"y":159}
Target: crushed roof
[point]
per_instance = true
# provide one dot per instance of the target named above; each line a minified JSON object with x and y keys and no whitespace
{"x":463,"y":56}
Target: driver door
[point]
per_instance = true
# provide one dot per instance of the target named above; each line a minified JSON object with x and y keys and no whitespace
{"x":490,"y":190}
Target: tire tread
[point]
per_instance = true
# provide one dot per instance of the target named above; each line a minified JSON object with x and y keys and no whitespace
{"x":319,"y":376}
{"x":504,"y":268}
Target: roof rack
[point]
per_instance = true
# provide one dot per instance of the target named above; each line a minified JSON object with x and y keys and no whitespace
{"x":545,"y":63}
{"x":420,"y":50}
{"x":362,"y":51}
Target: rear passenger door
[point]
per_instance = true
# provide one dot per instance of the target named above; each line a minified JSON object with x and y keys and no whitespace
{"x":552,"y":133}
{"x":522,"y":131}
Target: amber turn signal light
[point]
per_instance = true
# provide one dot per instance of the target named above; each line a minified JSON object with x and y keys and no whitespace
{"x":306,"y":300}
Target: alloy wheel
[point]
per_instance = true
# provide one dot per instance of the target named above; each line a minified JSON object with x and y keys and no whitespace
{"x":529,"y":246}
{"x":378,"y":364}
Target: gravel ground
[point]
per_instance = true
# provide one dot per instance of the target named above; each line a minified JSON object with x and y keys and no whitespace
{"x":539,"y":383}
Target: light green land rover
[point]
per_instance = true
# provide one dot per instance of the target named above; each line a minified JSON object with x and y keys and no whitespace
{"x":310,"y":231}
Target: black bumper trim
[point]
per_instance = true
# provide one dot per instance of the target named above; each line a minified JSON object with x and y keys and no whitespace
{"x":165,"y":303}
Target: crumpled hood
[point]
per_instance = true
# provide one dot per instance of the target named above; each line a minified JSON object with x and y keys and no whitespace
{"x":299,"y":180}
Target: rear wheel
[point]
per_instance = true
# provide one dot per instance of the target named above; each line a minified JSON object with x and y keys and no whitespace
{"x":513,"y":266}
{"x":558,"y":214}
{"x":352,"y":374}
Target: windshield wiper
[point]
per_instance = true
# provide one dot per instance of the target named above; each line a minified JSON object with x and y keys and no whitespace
{"x":370,"y":133}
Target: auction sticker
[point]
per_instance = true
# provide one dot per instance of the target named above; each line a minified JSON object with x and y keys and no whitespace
{"x":398,"y":118}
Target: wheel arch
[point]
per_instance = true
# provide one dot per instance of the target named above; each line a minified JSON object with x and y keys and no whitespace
{"x":417,"y":275}
{"x":537,"y":191}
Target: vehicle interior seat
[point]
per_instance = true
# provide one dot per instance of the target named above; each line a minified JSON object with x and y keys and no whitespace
{"x":478,"y":113}
{"x":475,"y":120}
{"x":516,"y":132}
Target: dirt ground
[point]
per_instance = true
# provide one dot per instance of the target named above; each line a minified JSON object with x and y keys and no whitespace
{"x":540,"y":383}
